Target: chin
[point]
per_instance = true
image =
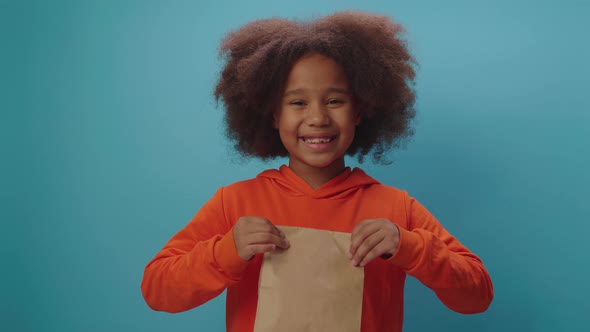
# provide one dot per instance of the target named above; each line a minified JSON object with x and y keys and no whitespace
{"x":321,"y":164}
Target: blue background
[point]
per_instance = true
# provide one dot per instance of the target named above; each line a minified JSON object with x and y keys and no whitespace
{"x":111,"y":141}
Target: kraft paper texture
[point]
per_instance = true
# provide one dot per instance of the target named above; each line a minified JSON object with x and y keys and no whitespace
{"x":312,"y":286}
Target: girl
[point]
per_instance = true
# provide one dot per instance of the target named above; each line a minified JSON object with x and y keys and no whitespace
{"x":315,"y":92}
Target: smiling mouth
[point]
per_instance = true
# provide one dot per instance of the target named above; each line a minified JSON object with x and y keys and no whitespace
{"x":317,"y":140}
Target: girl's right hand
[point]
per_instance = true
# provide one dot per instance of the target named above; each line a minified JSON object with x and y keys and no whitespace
{"x":257,"y":235}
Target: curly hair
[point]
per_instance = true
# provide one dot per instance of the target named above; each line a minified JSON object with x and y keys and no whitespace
{"x":369,"y":48}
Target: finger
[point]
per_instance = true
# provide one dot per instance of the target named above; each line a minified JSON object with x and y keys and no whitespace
{"x":256,"y":249}
{"x":281,"y":233}
{"x":261,"y":225}
{"x":271,"y":227}
{"x":363,"y":230}
{"x":377,"y":251}
{"x":367,"y":246}
{"x":357,"y":237}
{"x":275,"y":230}
{"x":267,"y":238}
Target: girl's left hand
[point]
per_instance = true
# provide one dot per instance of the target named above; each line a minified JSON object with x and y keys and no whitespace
{"x":373,"y":238}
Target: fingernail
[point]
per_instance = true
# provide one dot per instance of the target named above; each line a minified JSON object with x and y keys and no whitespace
{"x":287,"y":243}
{"x":354,"y":262}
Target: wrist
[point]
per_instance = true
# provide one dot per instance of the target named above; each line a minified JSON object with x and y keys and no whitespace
{"x":227,"y":256}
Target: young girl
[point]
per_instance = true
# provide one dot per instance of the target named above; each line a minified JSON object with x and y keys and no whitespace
{"x":315,"y":92}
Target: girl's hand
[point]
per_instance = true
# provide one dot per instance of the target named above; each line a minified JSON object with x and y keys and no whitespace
{"x":373,"y":238}
{"x":257,"y":235}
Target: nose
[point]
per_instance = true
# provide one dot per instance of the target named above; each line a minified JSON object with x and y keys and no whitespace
{"x":317,"y":115}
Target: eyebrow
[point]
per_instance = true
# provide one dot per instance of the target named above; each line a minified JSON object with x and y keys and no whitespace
{"x":298,"y":91}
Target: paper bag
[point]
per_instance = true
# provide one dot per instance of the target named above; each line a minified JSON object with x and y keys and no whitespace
{"x":312,"y":286}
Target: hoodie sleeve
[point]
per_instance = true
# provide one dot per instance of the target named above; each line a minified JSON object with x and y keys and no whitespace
{"x":433,"y":256}
{"x":196,"y":265}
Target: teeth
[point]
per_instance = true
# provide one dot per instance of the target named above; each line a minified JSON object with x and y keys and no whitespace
{"x":317,"y":140}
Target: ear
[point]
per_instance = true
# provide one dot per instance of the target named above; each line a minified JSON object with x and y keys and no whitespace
{"x":357,"y":118}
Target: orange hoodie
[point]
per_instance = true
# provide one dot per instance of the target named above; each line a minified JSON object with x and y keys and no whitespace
{"x":201,"y":260}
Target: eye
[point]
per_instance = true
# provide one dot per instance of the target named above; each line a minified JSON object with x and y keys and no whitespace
{"x":335,"y":101}
{"x":297,"y":103}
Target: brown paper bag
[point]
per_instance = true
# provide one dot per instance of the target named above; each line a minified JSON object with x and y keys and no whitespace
{"x":312,"y":286}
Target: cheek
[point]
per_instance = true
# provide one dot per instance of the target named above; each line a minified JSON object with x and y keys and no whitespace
{"x":351,"y":134}
{"x":349,"y":122}
{"x":286,"y":124}
{"x":350,"y":128}
{"x":286,"y":133}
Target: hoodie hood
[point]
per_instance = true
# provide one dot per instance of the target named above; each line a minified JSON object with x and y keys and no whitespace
{"x":342,"y":186}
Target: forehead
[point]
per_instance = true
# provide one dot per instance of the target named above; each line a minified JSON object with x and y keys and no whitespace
{"x":315,"y":71}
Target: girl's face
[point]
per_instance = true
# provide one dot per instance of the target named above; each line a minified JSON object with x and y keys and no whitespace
{"x":316,"y":119}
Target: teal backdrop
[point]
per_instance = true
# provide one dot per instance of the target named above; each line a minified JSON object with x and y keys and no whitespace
{"x":111,"y":141}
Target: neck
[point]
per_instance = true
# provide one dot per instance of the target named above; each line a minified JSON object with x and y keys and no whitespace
{"x":315,"y":177}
